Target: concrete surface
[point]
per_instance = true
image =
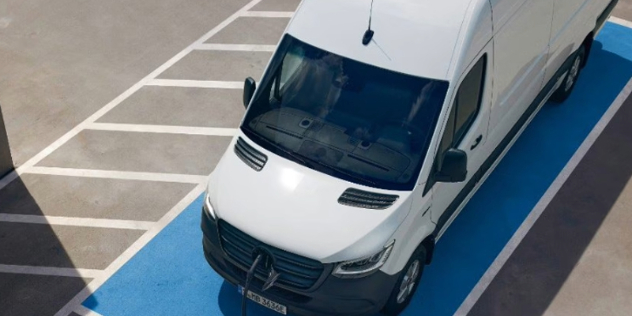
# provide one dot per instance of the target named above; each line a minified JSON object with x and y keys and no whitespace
{"x":62,"y":246}
{"x":623,"y":10}
{"x":36,"y":194}
{"x":179,"y":106}
{"x":219,"y":65}
{"x":252,"y":30}
{"x":36,"y":295}
{"x":143,"y":152}
{"x":276,"y":5}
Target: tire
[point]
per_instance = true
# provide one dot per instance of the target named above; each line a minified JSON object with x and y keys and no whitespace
{"x":570,"y":80}
{"x":398,"y":300}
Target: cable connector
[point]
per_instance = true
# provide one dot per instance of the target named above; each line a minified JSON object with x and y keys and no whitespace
{"x":249,"y":276}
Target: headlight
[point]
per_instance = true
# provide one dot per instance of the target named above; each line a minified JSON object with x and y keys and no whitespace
{"x":208,"y":207}
{"x":362,"y":267}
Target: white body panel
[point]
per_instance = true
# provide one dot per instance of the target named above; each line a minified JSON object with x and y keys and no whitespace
{"x":295,"y":208}
{"x":521,"y":39}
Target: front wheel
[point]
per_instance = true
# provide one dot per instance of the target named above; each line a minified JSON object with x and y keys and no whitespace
{"x":407,"y":283}
{"x":565,"y":90}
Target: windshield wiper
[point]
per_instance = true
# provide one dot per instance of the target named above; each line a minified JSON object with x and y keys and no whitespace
{"x":304,"y":160}
{"x":280,"y":148}
{"x":340,"y":170}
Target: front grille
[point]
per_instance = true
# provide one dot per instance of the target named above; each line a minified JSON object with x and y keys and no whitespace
{"x":297,"y":272}
{"x":359,"y":198}
{"x":252,"y":157}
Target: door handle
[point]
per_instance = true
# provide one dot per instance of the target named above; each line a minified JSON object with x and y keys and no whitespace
{"x":477,"y":141}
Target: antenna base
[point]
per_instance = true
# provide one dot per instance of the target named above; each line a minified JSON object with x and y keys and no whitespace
{"x":368,"y":36}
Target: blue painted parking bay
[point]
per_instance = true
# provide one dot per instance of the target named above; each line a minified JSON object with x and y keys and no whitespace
{"x":171,"y":277}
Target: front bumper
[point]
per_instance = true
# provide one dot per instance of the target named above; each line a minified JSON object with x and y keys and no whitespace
{"x":330,"y":296}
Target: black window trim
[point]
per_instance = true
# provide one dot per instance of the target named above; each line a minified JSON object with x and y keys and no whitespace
{"x":479,"y":102}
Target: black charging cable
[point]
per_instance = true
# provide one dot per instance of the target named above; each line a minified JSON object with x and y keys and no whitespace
{"x":249,"y":276}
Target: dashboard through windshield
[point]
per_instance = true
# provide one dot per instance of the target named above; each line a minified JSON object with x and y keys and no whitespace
{"x":348,"y":119}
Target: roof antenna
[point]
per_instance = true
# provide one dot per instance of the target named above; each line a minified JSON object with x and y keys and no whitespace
{"x":368,"y":35}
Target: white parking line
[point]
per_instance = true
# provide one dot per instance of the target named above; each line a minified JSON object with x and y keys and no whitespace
{"x":75,"y":221}
{"x":620,"y":21}
{"x":236,"y":47}
{"x":131,"y":251}
{"x":53,"y":271}
{"x":267,"y":14}
{"x":83,"y":311}
{"x":122,"y":175}
{"x":195,"y":83}
{"x":533,"y":216}
{"x":166,"y":129}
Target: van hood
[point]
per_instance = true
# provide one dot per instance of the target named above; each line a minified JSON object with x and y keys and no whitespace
{"x":296,"y":209}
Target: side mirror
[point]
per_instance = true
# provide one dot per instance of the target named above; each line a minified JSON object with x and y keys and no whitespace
{"x":454,"y":167}
{"x":249,"y":90}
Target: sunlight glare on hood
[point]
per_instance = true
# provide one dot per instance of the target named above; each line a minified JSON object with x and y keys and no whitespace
{"x":290,"y":178}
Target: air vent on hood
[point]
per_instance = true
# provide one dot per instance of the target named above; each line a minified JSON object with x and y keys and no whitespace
{"x":252,"y":157}
{"x":359,"y":198}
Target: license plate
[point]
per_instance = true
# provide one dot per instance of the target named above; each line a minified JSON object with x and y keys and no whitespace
{"x":264,"y":301}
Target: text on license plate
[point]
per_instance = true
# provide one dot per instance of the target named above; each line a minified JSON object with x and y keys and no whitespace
{"x":264,"y":301}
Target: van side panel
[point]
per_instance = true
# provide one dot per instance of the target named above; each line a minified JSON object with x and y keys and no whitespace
{"x":573,"y":20}
{"x":521,"y":45}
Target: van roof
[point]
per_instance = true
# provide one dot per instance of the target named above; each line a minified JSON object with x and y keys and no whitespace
{"x":416,"y":37}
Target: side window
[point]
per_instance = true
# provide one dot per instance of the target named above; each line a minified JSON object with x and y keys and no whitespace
{"x":464,"y":111}
{"x":468,"y":100}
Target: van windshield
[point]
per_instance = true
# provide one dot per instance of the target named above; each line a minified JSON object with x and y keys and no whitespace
{"x":348,"y":119}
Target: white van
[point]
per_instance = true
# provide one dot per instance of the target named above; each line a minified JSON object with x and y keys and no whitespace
{"x":371,"y":127}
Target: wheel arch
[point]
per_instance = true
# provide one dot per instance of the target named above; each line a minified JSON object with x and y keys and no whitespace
{"x":587,"y":43}
{"x":429,"y":245}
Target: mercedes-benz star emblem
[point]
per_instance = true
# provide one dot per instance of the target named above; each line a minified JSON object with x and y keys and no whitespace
{"x":268,"y":264}
{"x":272,"y":278}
